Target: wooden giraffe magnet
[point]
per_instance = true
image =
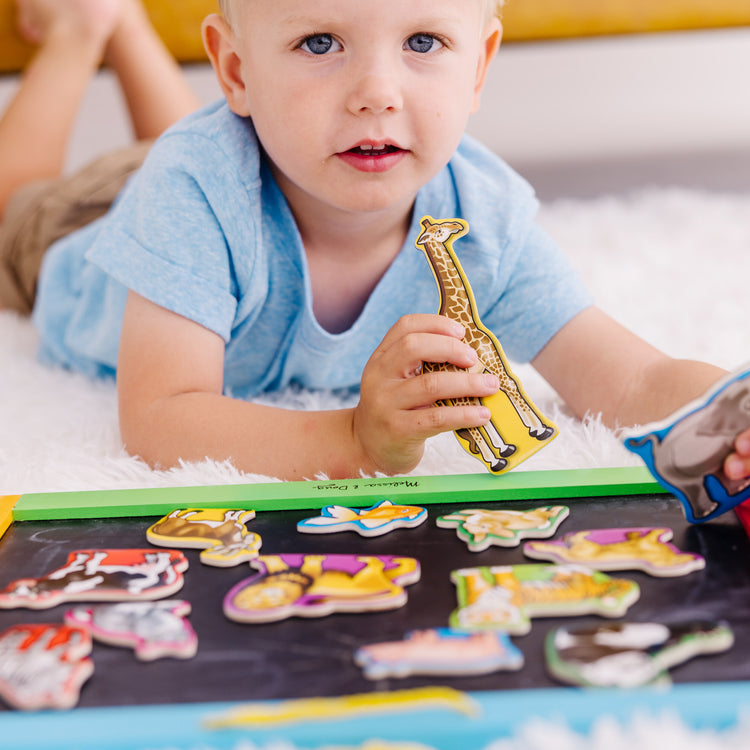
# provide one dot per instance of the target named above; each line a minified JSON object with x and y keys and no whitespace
{"x":516,"y":429}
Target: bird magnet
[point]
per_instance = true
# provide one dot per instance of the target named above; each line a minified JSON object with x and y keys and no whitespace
{"x":516,"y":429}
{"x":381,"y":518}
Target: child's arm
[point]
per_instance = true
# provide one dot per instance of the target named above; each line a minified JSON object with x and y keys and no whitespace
{"x":598,"y":366}
{"x":170,"y":379}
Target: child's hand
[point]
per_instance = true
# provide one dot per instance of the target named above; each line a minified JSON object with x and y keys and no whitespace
{"x":397,"y":410}
{"x":737,"y":464}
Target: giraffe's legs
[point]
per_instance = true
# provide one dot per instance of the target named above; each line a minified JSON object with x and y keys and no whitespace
{"x":486,"y":441}
{"x":537,"y":429}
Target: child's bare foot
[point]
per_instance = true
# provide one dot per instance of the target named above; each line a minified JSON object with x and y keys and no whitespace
{"x":91,"y":20}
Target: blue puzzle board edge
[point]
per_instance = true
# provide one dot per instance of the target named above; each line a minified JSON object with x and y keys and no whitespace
{"x":714,"y":706}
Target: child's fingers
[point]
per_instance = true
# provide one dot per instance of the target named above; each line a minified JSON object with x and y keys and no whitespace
{"x":737,"y":464}
{"x":429,"y":387}
{"x":424,"y":323}
{"x":432,"y":420}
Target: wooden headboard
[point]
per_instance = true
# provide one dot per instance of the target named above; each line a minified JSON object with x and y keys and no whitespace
{"x":178,"y":21}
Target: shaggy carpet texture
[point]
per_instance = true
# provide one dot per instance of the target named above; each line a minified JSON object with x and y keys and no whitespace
{"x":671,"y":264}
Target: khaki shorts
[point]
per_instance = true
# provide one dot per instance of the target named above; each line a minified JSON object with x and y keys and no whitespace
{"x":44,"y":211}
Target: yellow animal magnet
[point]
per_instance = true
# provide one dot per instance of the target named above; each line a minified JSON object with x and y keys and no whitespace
{"x":516,"y":429}
{"x":507,"y":597}
{"x":219,"y":532}
{"x":646,"y":549}
{"x":381,"y":518}
{"x":302,"y":585}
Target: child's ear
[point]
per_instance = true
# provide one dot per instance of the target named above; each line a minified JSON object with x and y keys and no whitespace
{"x":491,"y":36}
{"x":220,"y":44}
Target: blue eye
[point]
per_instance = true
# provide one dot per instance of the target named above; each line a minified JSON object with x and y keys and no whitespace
{"x":422,"y":43}
{"x":318,"y":44}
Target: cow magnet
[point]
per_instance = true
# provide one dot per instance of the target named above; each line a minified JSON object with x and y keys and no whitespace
{"x":629,"y":654}
{"x":101,"y":575}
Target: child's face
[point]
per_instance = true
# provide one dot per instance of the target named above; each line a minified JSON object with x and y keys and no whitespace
{"x":357,"y":103}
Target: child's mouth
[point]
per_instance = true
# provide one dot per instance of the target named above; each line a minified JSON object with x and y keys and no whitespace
{"x":373,"y":150}
{"x":370,"y":158}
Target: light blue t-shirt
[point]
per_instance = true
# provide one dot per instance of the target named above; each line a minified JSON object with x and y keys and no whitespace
{"x":203,"y":230}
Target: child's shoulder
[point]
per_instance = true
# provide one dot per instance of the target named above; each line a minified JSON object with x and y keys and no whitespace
{"x":211,"y":131}
{"x":493,"y":197}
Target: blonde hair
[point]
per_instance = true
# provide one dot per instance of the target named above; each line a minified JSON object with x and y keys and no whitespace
{"x":491,"y":8}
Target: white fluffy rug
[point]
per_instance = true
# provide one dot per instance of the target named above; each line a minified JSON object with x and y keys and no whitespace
{"x":670,"y":264}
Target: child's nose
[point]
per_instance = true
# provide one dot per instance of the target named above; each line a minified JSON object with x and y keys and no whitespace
{"x":376,"y":92}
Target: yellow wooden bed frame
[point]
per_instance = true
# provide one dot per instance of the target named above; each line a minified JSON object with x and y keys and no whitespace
{"x":178,"y":21}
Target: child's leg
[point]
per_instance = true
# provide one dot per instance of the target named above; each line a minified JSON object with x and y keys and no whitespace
{"x":156,"y":91}
{"x":35,"y":129}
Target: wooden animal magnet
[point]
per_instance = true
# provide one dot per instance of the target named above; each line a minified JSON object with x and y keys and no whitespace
{"x":517,"y":429}
{"x":101,"y":575}
{"x":381,"y":518}
{"x":439,"y":651}
{"x":219,"y":532}
{"x":686,"y":451}
{"x":317,"y":585}
{"x":629,"y":654}
{"x":481,"y":528}
{"x":646,"y":549}
{"x":506,"y":597}
{"x":152,"y":629}
{"x":44,"y":666}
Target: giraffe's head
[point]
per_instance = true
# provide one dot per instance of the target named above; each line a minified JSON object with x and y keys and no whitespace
{"x":440,"y":231}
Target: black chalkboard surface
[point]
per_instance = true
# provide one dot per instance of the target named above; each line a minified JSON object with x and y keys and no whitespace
{"x":306,"y":657}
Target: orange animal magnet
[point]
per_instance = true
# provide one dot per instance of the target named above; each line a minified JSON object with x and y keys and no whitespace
{"x":646,"y":549}
{"x":381,"y":518}
{"x":506,"y":597}
{"x":516,"y":429}
{"x":101,"y":575}
{"x":152,"y":629}
{"x":439,"y":651}
{"x":44,"y":666}
{"x":481,"y":528}
{"x":219,"y":532}
{"x":303,"y":585}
